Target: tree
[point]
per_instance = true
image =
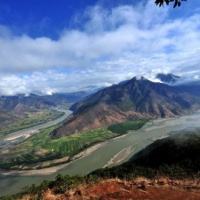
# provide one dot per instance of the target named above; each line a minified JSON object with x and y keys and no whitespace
{"x":162,"y":2}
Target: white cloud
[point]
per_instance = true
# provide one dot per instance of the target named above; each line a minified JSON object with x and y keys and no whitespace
{"x":111,"y":45}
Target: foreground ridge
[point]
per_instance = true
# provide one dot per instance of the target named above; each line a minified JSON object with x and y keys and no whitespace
{"x":140,"y":189}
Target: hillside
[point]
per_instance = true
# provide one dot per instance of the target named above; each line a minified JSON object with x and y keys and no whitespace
{"x":176,"y":156}
{"x":14,"y":109}
{"x":117,"y":189}
{"x":180,"y":150}
{"x":133,"y":99}
{"x":20,"y":103}
{"x":168,"y":166}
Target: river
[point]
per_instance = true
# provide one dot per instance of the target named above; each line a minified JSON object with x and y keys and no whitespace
{"x":14,"y":138}
{"x":115,"y":151}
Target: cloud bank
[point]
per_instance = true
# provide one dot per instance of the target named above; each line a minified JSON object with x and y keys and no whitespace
{"x":109,"y":46}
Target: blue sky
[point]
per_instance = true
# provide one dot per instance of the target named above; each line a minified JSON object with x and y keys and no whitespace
{"x":50,"y":46}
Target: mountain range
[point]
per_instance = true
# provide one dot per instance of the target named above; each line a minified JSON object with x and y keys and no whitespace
{"x":133,"y":99}
{"x":15,"y":108}
{"x":20,"y":103}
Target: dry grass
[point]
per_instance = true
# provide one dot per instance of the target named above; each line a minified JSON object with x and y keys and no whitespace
{"x":137,"y":189}
{"x":140,"y":188}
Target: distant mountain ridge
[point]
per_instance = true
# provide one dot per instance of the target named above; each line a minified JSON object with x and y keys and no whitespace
{"x":168,"y":78}
{"x":133,"y":99}
{"x":187,"y":80}
{"x":20,"y":103}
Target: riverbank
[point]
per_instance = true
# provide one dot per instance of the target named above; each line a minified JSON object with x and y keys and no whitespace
{"x":14,"y":138}
{"x":11,"y":184}
{"x":42,"y":169}
{"x":25,"y":171}
{"x":28,"y":120}
{"x":120,"y":156}
{"x":41,"y":151}
{"x":49,"y":167}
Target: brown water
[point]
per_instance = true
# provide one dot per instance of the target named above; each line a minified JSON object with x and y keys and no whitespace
{"x":109,"y":152}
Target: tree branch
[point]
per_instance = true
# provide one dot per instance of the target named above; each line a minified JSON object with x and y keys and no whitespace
{"x":162,"y":2}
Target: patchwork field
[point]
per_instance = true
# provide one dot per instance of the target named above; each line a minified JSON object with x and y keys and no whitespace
{"x":28,"y":120}
{"x":41,"y":147}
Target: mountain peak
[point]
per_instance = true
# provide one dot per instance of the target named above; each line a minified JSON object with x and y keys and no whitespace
{"x":168,"y":78}
{"x":133,"y":99}
{"x":139,"y":78}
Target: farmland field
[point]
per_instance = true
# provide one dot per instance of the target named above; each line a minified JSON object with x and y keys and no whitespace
{"x":41,"y":147}
{"x":127,"y":125}
{"x":29,"y":120}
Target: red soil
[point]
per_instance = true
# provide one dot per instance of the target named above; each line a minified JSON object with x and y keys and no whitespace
{"x":140,"y":189}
